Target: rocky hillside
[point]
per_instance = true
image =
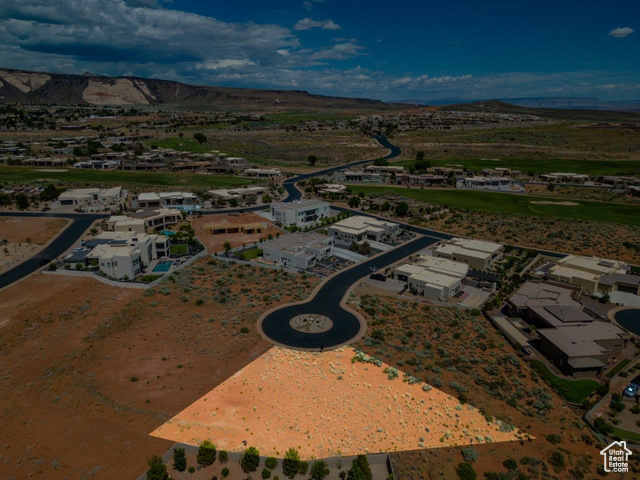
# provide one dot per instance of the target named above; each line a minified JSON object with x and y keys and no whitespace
{"x":18,"y":86}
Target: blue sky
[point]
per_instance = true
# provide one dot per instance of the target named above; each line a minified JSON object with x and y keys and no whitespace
{"x":397,"y":50}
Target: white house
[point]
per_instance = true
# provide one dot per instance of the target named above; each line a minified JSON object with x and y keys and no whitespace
{"x":301,"y":213}
{"x":360,"y":229}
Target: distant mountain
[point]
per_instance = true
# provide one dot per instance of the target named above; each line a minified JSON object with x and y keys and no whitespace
{"x":586,"y":115}
{"x":590,"y":103}
{"x":18,"y":86}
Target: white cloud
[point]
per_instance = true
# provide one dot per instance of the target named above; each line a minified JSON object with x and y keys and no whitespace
{"x":225,"y":63}
{"x":308,"y":4}
{"x":309,"y":23}
{"x":621,"y":32}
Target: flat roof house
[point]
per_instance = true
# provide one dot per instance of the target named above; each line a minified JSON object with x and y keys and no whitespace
{"x":433,"y":278}
{"x":299,"y":250}
{"x":262,"y":172}
{"x":301,"y":213}
{"x":92,"y":197}
{"x":582,"y":348}
{"x":475,"y":253}
{"x":595,"y":275}
{"x":117,"y":261}
{"x":223,"y":227}
{"x":179,"y":200}
{"x":360,"y":229}
{"x":142,"y":220}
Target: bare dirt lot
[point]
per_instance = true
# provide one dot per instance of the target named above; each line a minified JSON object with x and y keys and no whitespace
{"x":461,"y":353}
{"x":342,"y":407}
{"x":30,"y":230}
{"x":214,"y":243}
{"x":90,"y":370}
{"x":21,"y":238}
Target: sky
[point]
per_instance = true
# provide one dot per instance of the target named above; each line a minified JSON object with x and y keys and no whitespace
{"x":390,"y":50}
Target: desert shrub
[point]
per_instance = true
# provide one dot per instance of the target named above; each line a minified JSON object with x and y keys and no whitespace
{"x":223,"y":456}
{"x":224,"y":472}
{"x":557,"y":460}
{"x":271,"y":463}
{"x":554,"y":438}
{"x":510,"y":464}
{"x":303,"y":468}
{"x":191,"y":469}
{"x":469,"y":454}
{"x":179,"y":460}
{"x":206,"y":453}
{"x":466,"y":472}
{"x":250,"y":460}
{"x":266,"y":473}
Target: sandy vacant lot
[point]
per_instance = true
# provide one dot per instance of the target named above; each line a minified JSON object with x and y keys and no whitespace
{"x":89,"y":370}
{"x":326,"y":405}
{"x":214,"y":243}
{"x":21,"y":238}
{"x":30,"y":230}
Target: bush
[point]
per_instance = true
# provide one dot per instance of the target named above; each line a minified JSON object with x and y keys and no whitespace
{"x":602,"y":426}
{"x":271,"y":463}
{"x":303,"y":468}
{"x":266,"y":473}
{"x":223,"y":456}
{"x":179,"y":460}
{"x":557,"y":460}
{"x":250,"y":460}
{"x":224,"y":472}
{"x":206,"y":453}
{"x":469,"y":454}
{"x":291,"y":463}
{"x":191,"y":469}
{"x":319,"y":471}
{"x":510,"y":464}
{"x":466,"y":472}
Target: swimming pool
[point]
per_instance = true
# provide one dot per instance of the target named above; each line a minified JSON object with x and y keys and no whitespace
{"x":163,"y":266}
{"x":630,"y":319}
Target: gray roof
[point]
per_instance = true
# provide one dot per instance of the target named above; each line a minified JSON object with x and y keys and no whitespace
{"x":534,"y":294}
{"x":582,"y":339}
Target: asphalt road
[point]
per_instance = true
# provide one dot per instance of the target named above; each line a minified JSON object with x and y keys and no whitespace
{"x":327,"y":302}
{"x":81,"y":222}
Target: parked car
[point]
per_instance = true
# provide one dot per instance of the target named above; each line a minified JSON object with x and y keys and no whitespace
{"x":378,"y":276}
{"x":373,"y":269}
{"x":631,"y":390}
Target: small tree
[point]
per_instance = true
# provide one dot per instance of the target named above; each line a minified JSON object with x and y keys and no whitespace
{"x":250,"y":460}
{"x":312,"y":159}
{"x":224,"y":472}
{"x":157,"y":469}
{"x":22,"y":202}
{"x":360,"y":469}
{"x":266,"y":473}
{"x":206,"y":453}
{"x":271,"y":463}
{"x":354,"y":202}
{"x":200,"y":138}
{"x":319,"y":470}
{"x":303,"y":468}
{"x":466,"y":472}
{"x":402,"y":209}
{"x":223,"y":456}
{"x":227,"y":247}
{"x":179,"y":460}
{"x":291,"y":463}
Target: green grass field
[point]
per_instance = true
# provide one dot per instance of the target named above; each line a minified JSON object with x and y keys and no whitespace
{"x":27,"y":174}
{"x":618,"y":432}
{"x":179,"y":249}
{"x":589,"y":167}
{"x":505,"y":203}
{"x":251,"y":253}
{"x":184,"y":144}
{"x":574,"y":391}
{"x":305,"y":116}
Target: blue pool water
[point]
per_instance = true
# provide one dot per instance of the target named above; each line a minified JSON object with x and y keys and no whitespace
{"x":163,"y":266}
{"x":629,"y":319}
{"x":168,"y":233}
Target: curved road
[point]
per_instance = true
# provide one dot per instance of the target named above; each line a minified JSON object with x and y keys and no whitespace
{"x":81,"y":222}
